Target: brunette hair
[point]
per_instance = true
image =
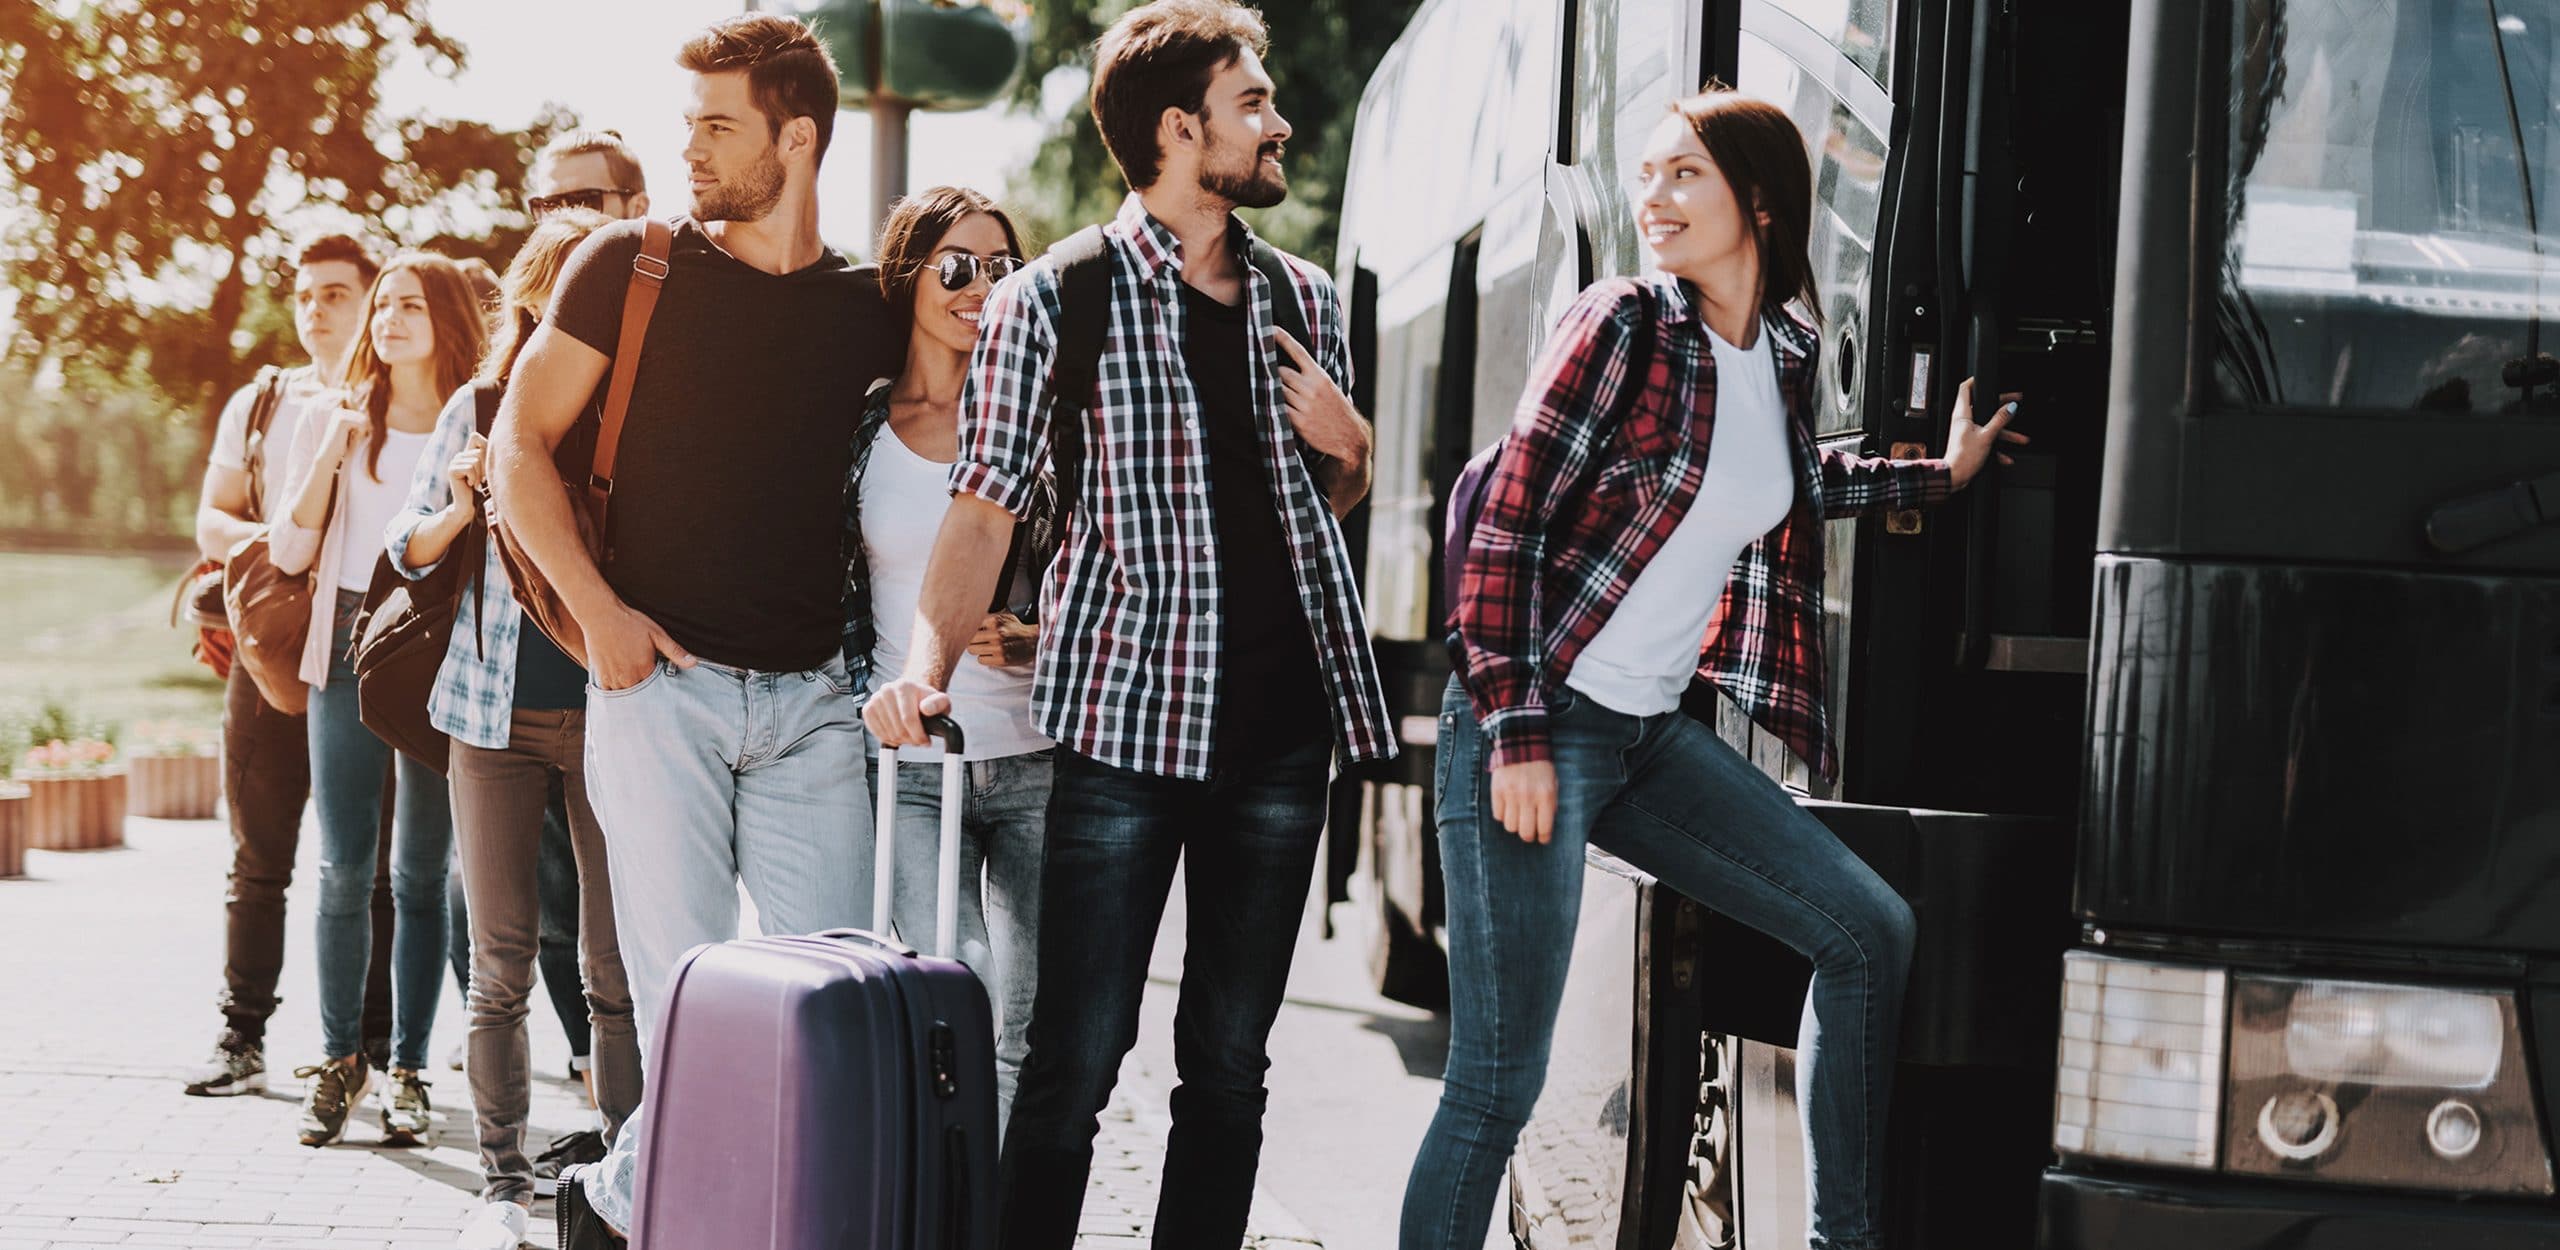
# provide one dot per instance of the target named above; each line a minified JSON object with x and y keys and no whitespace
{"x":788,"y":71}
{"x":1161,"y":56}
{"x":451,"y":316}
{"x":528,"y":285}
{"x":344,"y":247}
{"x":915,"y":227}
{"x":1762,"y":156}
{"x":619,"y":162}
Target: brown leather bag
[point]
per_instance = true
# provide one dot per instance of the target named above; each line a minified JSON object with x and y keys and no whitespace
{"x":586,"y":468}
{"x":270,"y":619}
{"x":199,"y":595}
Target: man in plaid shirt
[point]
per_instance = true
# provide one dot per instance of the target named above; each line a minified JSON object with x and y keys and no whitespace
{"x":1203,"y":648}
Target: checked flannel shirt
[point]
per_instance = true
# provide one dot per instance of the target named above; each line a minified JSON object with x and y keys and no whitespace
{"x":474,"y":698}
{"x":1538,"y":586}
{"x":1128,"y":668}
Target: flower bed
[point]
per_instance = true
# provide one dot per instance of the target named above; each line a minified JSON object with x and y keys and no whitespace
{"x":172,"y":772}
{"x":14,"y":804}
{"x":76,"y":796}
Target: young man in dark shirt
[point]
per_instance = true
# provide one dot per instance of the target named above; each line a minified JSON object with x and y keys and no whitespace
{"x":1205,"y":651}
{"x":723,"y":741}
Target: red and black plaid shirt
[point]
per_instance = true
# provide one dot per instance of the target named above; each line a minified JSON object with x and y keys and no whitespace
{"x":1540,"y":582}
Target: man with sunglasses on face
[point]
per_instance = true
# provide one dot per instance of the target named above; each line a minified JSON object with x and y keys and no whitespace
{"x":589,"y":169}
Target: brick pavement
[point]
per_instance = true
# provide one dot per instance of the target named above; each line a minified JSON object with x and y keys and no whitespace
{"x":108,"y":965}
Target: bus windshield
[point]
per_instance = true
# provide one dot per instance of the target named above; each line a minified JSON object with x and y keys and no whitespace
{"x":2385,"y":245}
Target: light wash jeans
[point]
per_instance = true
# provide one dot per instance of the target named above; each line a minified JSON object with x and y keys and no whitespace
{"x":703,"y":778}
{"x":349,"y":767}
{"x":1666,"y":795}
{"x":1003,"y":839}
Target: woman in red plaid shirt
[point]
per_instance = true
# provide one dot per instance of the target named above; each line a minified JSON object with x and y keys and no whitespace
{"x":1607,"y":549}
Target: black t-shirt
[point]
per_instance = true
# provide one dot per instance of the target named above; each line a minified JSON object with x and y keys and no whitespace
{"x":547,"y":680}
{"x":728,"y":495}
{"x":1273,"y":697}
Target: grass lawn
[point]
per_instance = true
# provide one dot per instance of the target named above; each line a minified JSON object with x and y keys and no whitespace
{"x":92,"y":632}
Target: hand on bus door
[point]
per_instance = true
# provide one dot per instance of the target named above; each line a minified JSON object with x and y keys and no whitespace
{"x":1524,"y":800}
{"x":1969,"y":445}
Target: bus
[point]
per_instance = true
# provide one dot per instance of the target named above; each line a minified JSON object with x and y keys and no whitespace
{"x":2215,"y":742}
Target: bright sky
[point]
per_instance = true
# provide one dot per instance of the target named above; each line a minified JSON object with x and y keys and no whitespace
{"x":614,"y":64}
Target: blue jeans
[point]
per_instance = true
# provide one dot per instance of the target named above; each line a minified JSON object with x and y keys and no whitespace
{"x":703,"y":778}
{"x":1003,"y":824}
{"x":1666,"y":795}
{"x":349,"y":766}
{"x":556,"y":881}
{"x":1246,"y":839}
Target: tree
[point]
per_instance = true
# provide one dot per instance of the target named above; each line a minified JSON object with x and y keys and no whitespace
{"x":1322,"y":52}
{"x":155,"y":155}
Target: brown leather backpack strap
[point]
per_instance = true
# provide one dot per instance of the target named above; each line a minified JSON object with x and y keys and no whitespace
{"x":639,"y":300}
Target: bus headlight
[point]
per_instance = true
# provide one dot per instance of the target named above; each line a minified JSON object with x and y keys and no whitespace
{"x":2141,"y":1067}
{"x":2374,"y":1084}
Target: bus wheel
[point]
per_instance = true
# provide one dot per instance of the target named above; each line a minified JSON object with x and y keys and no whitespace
{"x":1404,"y":963}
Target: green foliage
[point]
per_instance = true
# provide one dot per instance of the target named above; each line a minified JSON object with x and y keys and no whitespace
{"x":1322,"y":52}
{"x":157,"y":157}
{"x":106,"y":456}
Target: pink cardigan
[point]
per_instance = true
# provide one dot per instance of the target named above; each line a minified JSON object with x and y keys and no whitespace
{"x":296,"y":549}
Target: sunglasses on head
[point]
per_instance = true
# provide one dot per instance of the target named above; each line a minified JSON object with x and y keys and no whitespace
{"x":590,"y":198}
{"x":958,"y":269}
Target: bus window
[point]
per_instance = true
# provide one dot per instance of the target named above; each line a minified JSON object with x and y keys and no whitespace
{"x":1861,"y":29}
{"x":2389,"y":164}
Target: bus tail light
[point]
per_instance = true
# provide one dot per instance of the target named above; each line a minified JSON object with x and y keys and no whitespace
{"x":2140,"y":1075}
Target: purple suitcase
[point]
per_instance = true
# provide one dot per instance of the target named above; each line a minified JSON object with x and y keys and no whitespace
{"x":830,"y":1092}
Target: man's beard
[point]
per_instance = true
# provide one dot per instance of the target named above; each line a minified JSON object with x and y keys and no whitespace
{"x":750,"y":198}
{"x":1253,"y":188}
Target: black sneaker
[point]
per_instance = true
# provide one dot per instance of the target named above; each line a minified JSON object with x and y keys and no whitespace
{"x":580,"y":1227}
{"x":568,"y":1151}
{"x":238,"y":1066}
{"x":336,"y":1087}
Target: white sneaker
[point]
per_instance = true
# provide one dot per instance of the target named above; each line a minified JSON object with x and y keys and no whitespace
{"x":497,"y":1226}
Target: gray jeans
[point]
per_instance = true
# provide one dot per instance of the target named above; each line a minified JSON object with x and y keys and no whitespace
{"x":1003,"y":837}
{"x":498,"y":802}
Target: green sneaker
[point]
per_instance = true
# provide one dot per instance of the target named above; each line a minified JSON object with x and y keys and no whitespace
{"x":407,"y":1115}
{"x":336,"y":1087}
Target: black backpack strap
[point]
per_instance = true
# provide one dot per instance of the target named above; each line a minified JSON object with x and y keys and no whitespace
{"x":484,"y":403}
{"x":1287,"y":311}
{"x":1083,"y":260}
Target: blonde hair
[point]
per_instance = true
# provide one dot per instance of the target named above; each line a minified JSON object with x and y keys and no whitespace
{"x":527,"y":288}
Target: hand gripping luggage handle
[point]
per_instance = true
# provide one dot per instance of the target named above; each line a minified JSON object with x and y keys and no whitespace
{"x":946,"y":894}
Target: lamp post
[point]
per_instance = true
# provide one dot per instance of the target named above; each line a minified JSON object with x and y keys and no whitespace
{"x":898,"y":56}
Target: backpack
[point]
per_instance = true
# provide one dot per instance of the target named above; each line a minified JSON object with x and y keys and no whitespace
{"x":1085,"y":271}
{"x":1466,"y":495}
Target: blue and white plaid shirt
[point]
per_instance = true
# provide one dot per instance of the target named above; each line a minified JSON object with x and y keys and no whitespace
{"x":1128,"y":668}
{"x":475,"y":694}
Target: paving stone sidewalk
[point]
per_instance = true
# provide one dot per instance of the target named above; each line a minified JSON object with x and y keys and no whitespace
{"x":108,"y":965}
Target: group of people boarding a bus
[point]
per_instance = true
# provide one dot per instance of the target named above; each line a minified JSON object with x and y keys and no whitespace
{"x":842,"y":504}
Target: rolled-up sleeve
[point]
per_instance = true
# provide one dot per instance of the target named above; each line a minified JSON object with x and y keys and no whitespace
{"x":429,"y":489}
{"x":1004,"y":404}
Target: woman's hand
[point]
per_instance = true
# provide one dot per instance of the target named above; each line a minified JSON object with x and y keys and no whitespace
{"x":1524,"y":800}
{"x":1003,"y":641}
{"x":348,"y":426}
{"x":467,"y":470}
{"x":1970,"y":445}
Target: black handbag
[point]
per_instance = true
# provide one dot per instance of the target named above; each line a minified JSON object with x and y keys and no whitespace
{"x":406,"y":627}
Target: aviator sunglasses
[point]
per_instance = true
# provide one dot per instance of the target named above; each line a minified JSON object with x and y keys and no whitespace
{"x":589,"y":198}
{"x":958,"y":269}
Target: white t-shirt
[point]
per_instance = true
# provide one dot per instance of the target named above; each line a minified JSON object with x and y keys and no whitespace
{"x":904,"y":498}
{"x":1641,"y":661}
{"x":231,"y":433}
{"x":370,"y":504}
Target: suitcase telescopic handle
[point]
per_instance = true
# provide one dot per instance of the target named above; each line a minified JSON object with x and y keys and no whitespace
{"x":884,"y":837}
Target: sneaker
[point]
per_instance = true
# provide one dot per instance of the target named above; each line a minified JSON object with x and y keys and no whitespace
{"x":336,"y":1087}
{"x":580,"y":1227}
{"x":496,"y":1226}
{"x":238,"y":1066}
{"x":572,"y":1150}
{"x":406,"y":1113}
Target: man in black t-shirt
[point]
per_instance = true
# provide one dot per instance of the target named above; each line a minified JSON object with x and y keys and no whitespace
{"x":723,"y":738}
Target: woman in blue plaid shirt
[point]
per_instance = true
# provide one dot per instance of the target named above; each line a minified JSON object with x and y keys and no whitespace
{"x":515,"y":706}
